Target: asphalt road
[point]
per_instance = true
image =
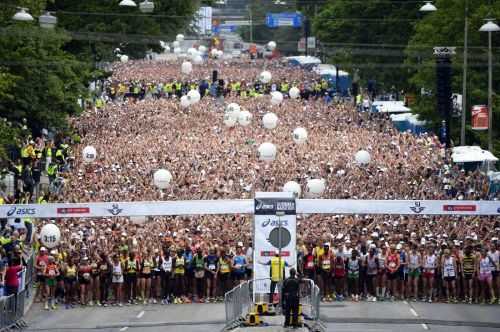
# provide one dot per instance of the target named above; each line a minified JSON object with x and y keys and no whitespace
{"x":338,"y":316}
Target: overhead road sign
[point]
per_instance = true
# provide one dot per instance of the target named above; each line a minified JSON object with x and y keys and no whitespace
{"x":275,"y":20}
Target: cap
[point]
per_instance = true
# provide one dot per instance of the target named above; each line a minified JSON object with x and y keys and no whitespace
{"x":43,"y":249}
{"x":399,"y":246}
{"x":240,"y":244}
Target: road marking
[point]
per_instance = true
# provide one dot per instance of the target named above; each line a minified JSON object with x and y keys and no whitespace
{"x":140,"y":314}
{"x":425,"y":326}
{"x":413,"y":312}
{"x":125,"y":328}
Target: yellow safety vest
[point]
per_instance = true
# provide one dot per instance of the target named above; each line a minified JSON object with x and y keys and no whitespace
{"x":277,"y":266}
{"x":41,"y":200}
{"x":48,"y":152}
{"x":24,"y":152}
{"x":51,"y":170}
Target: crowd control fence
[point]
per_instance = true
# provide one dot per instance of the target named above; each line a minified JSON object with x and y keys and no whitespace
{"x":239,"y":302}
{"x":13,"y":307}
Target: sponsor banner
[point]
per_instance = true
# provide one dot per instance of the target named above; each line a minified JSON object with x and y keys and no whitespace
{"x":73,"y":210}
{"x":269,"y":237}
{"x":460,"y":207}
{"x":248,"y":206}
{"x":480,"y":117}
{"x":396,"y":207}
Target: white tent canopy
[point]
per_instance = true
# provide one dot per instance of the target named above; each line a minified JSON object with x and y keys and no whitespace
{"x":391,"y":106}
{"x":326,"y":69}
{"x":470,"y":154}
{"x":304,"y":60}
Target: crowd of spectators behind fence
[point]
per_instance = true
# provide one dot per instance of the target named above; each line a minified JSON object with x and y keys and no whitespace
{"x":138,"y":126}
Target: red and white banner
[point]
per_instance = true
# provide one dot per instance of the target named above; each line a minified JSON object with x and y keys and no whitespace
{"x":246,"y":206}
{"x":480,"y":117}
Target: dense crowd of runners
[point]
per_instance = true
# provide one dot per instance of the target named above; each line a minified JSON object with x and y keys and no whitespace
{"x":139,"y":126}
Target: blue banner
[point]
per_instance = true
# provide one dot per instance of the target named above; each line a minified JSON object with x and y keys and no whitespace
{"x":274,"y":20}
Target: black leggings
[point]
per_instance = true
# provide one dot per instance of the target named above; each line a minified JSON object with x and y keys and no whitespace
{"x":104,"y":285}
{"x":165,"y":284}
{"x":179,"y":284}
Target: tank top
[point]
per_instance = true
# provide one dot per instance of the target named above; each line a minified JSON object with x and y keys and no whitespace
{"x":372,"y":267}
{"x":131,"y":266}
{"x":309,"y":262}
{"x":339,"y":267}
{"x":448,"y":267}
{"x":381,"y":261}
{"x":430,"y":263}
{"x":485,"y":266}
{"x":414,"y":261}
{"x":51,"y":270}
{"x":117,"y":269}
{"x":326,"y":262}
{"x":71,"y":272}
{"x":146,"y":266}
{"x":392,"y":262}
{"x":179,"y":265}
{"x":224,"y":266}
{"x":468,"y":264}
{"x":166,"y":265}
{"x":353,"y":267}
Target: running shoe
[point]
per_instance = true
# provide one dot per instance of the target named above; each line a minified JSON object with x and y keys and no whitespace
{"x":493,"y":300}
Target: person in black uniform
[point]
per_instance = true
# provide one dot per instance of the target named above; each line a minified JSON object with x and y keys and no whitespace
{"x":291,"y":299}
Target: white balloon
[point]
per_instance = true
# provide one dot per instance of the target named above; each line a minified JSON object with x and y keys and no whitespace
{"x":198,"y":60}
{"x":300,"y":135}
{"x":162,"y":178}
{"x":294,"y":92}
{"x":214,"y":52}
{"x":276,"y":97}
{"x":193,"y":96}
{"x":124,"y":58}
{"x":186,"y":67}
{"x":244,"y":118}
{"x":202,"y":49}
{"x":267,"y":151}
{"x":185,"y":102}
{"x":293,"y":187}
{"x":315,"y":187}
{"x":166,"y":48}
{"x":89,"y":154}
{"x":220,"y":53}
{"x":233,"y":107}
{"x":177,"y":50}
{"x":271,"y":45}
{"x":176,"y":44}
{"x":192,"y":51}
{"x":265,"y":77}
{"x":50,"y":235}
{"x":179,"y":37}
{"x":362,"y":157}
{"x":230,"y":119}
{"x":270,"y":121}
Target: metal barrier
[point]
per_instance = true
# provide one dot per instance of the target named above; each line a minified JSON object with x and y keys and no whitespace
{"x":12,"y":307}
{"x":240,"y":301}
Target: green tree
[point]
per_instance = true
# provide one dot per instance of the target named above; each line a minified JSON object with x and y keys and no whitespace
{"x":98,"y":27}
{"x":45,"y":80}
{"x":368,"y":35}
{"x":445,"y":27}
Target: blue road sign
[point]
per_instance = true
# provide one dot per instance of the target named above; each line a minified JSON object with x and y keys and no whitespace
{"x":274,"y":20}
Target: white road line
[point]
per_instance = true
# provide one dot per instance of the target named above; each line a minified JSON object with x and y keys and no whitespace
{"x":413,"y":312}
{"x":140,"y":314}
{"x":125,"y":328}
{"x":425,"y":326}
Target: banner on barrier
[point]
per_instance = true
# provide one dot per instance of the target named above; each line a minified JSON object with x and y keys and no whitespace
{"x":275,"y":229}
{"x":246,"y":206}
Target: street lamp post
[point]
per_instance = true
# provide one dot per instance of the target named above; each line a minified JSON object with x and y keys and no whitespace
{"x":490,"y":26}
{"x":464,"y":77}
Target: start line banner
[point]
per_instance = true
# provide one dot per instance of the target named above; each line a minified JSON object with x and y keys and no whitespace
{"x":246,"y":206}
